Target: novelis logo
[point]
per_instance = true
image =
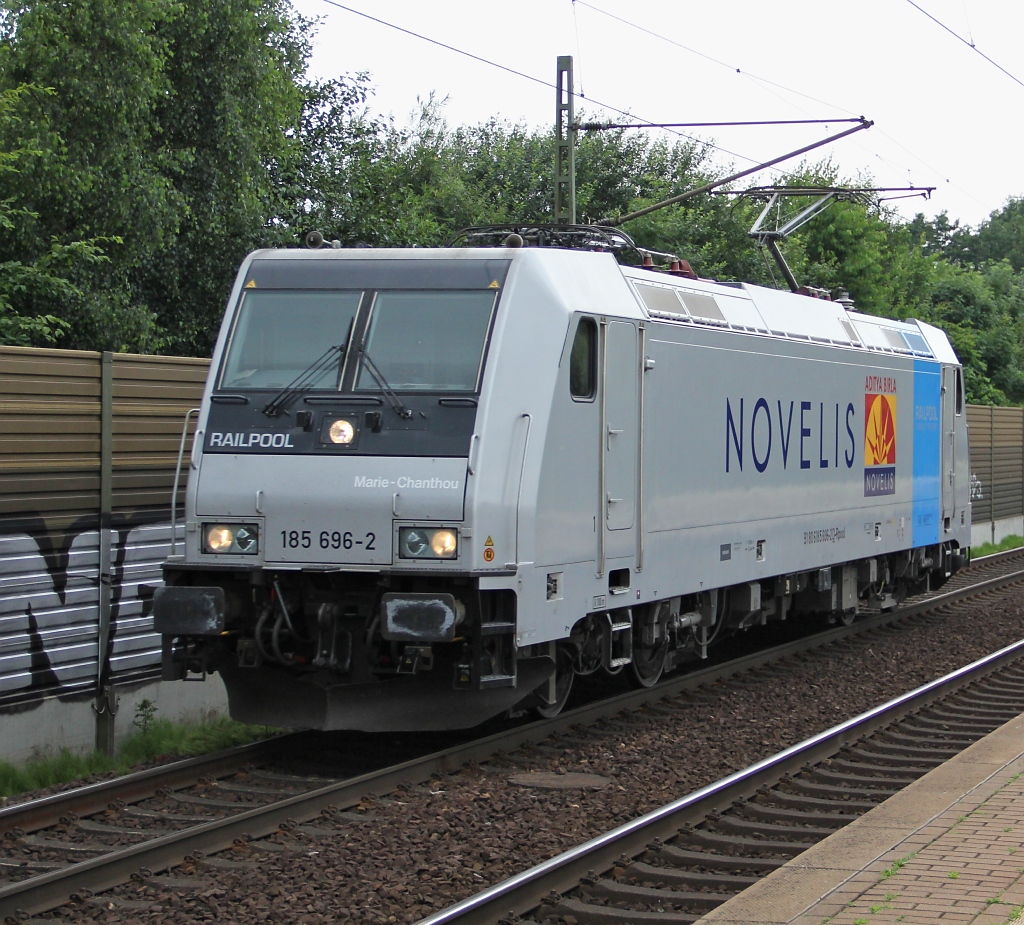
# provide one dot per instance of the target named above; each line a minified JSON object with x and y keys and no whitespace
{"x":880,"y":438}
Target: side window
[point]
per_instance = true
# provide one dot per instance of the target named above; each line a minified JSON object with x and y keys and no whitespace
{"x":583,"y":361}
{"x":959,"y":391}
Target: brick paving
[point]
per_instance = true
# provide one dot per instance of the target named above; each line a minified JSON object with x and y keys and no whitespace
{"x":948,"y":850}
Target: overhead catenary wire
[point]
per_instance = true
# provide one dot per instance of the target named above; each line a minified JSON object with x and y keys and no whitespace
{"x":902,"y":169}
{"x":525,"y":76}
{"x":768,"y":83}
{"x":969,"y":43}
{"x":700,"y":54}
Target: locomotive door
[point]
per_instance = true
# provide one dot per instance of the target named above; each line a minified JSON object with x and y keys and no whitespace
{"x":619,"y":438}
{"x":950,"y":403}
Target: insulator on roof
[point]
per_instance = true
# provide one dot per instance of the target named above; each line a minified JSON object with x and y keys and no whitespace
{"x":844,"y":299}
{"x":681,"y":267}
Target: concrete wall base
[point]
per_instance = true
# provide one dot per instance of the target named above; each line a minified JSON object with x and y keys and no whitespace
{"x":992,"y":531}
{"x":43,"y":728}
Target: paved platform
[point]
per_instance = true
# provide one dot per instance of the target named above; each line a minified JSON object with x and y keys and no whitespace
{"x":947,"y":850}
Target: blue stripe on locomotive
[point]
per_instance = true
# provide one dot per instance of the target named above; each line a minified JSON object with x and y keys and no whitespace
{"x":927,"y":452}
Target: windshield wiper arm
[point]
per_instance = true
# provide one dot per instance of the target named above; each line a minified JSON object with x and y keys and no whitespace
{"x":389,"y":393}
{"x":304,"y":380}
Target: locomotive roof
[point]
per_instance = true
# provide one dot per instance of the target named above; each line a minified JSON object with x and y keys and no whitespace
{"x":777,"y":313}
{"x":740,"y":307}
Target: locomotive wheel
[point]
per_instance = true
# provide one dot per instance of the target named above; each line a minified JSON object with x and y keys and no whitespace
{"x":648,"y":662}
{"x":564,"y":674}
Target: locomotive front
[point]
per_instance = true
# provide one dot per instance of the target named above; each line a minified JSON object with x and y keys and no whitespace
{"x":325,"y":569}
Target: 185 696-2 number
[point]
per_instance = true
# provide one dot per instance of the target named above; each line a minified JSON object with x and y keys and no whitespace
{"x":327,"y":539}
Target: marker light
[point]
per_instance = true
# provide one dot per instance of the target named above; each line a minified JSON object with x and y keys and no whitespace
{"x":238,"y":539}
{"x":428,"y":543}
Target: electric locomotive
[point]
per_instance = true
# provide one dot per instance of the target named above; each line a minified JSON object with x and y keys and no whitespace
{"x":429,"y":486}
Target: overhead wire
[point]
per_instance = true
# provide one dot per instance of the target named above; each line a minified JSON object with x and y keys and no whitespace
{"x":706,"y":57}
{"x":969,"y":43}
{"x":771,"y":86}
{"x":530,"y":77}
{"x":768,"y":85}
{"x":579,"y":51}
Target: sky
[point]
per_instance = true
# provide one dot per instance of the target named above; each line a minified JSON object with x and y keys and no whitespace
{"x":943,"y":80}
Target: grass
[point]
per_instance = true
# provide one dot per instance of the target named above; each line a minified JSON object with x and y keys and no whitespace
{"x":896,"y":865}
{"x":986,"y":549}
{"x":156,"y":738}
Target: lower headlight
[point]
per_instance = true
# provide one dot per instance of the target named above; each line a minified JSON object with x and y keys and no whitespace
{"x":238,"y":539}
{"x":428,"y":543}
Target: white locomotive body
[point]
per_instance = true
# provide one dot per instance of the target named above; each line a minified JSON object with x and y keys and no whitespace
{"x":427,"y":486}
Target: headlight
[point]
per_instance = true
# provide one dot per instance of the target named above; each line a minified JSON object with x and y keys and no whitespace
{"x":428,"y":542}
{"x":239,"y":539}
{"x":339,"y":431}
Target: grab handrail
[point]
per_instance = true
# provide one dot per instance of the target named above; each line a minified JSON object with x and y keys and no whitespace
{"x":177,"y":477}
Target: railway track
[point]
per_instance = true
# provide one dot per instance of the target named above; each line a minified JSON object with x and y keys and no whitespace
{"x":84,"y":841}
{"x":679,"y":862}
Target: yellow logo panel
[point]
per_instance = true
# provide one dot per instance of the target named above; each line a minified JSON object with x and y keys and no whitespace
{"x":879,"y":430}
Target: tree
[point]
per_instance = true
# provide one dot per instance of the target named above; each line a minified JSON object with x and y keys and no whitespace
{"x":22,"y":282}
{"x":166,"y":133}
{"x":1001,"y":237}
{"x":94,"y":174}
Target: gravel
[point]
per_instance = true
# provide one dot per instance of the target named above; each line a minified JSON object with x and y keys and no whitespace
{"x":422,"y":848}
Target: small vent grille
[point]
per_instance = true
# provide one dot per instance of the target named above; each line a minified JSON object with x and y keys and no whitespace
{"x":895,"y":339}
{"x":702,"y":306}
{"x":660,"y":302}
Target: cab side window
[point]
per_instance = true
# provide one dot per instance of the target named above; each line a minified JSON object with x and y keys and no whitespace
{"x":583,"y":361}
{"x":959,"y":391}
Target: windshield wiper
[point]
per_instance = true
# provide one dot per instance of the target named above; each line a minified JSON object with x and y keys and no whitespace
{"x":389,"y":393}
{"x":304,"y":380}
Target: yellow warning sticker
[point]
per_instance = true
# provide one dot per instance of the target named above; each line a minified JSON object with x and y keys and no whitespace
{"x":494,"y":284}
{"x":488,"y":542}
{"x":251,"y":284}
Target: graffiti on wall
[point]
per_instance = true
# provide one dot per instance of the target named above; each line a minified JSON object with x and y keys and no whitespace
{"x":50,"y":606}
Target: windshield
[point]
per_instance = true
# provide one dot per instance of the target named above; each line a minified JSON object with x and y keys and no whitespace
{"x":281,"y":333}
{"x":429,"y":341}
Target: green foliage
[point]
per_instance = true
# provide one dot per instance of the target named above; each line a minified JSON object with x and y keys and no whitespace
{"x":1001,"y":237}
{"x":146,"y":147}
{"x":159,"y":143}
{"x":145,"y":712}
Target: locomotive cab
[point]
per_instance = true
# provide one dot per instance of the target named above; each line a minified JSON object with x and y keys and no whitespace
{"x":331,"y":571}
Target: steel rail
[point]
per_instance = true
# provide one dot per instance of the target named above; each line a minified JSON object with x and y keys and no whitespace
{"x":33,"y":815}
{"x":564,"y":871}
{"x":993,"y":557}
{"x":45,"y":891}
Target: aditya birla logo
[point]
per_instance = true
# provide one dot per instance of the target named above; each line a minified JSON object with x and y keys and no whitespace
{"x":879,"y":430}
{"x":880,"y":443}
